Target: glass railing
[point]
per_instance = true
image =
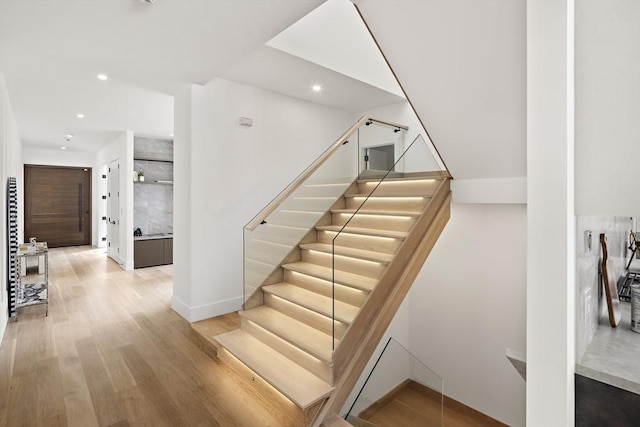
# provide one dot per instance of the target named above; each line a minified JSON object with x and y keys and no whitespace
{"x":372,"y":150}
{"x":398,"y":390}
{"x":386,"y":203}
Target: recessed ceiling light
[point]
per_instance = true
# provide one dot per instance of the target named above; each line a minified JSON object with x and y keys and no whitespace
{"x":80,"y":116}
{"x":316,"y":88}
{"x":63,"y":148}
{"x":69,"y":136}
{"x":102,"y":77}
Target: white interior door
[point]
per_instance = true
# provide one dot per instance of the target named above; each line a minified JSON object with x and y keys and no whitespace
{"x":113,"y":210}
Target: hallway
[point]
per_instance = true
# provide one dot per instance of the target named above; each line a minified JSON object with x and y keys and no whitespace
{"x":113,"y":353}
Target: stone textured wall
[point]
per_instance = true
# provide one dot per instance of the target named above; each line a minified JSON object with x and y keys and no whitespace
{"x":153,"y":200}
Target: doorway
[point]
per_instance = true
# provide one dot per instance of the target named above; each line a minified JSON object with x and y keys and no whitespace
{"x":379,"y":158}
{"x":113,"y":211}
{"x":57,"y":205}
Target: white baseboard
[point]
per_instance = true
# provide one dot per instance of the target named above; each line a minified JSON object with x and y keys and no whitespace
{"x":205,"y":311}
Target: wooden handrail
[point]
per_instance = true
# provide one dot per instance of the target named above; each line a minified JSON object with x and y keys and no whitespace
{"x":296,"y":183}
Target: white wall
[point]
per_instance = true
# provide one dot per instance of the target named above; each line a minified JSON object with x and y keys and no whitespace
{"x":468,"y":306}
{"x":607,"y":107}
{"x":463,"y":66}
{"x":10,"y":166}
{"x":226,"y":174}
{"x":122,"y":149}
{"x":470,"y":190}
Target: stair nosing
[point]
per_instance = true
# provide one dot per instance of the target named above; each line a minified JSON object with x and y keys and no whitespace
{"x":400,"y":235}
{"x":381,"y":257}
{"x":369,"y":195}
{"x":376,"y":212}
{"x":397,"y":179}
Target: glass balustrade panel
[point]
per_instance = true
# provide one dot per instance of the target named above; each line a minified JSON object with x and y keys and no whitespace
{"x":275,"y":240}
{"x":397,"y":380}
{"x":380,"y":211}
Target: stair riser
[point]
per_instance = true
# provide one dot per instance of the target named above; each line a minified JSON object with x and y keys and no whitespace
{"x":255,"y":278}
{"x":322,"y":190}
{"x":398,"y":188}
{"x":266,"y":252}
{"x":283,"y":235}
{"x":376,"y":222}
{"x":294,"y":218}
{"x":352,"y":265}
{"x":311,"y":204}
{"x":412,"y":204}
{"x":342,"y":293}
{"x":263,"y":388}
{"x":359,"y":241}
{"x":299,"y":356}
{"x":304,"y":315}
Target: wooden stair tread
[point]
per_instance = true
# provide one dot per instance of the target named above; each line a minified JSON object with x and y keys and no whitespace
{"x":366,"y":231}
{"x":296,"y":383}
{"x":293,"y":331}
{"x":377,"y":212}
{"x":313,"y":301}
{"x":343,"y":277}
{"x":387,"y":196}
{"x":351,"y":252}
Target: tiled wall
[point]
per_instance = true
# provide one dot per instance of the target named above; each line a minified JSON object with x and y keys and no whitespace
{"x":590,"y":309}
{"x":153,"y":201}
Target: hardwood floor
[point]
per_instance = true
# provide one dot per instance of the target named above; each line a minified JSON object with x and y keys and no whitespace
{"x":414,"y":405}
{"x":113,"y":353}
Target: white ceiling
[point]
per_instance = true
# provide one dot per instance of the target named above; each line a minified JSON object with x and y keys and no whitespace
{"x":277,"y":71}
{"x":335,"y":37}
{"x":51,"y":52}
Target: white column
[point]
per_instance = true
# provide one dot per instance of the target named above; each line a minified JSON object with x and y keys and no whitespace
{"x":550,"y":214}
{"x":182,"y":230}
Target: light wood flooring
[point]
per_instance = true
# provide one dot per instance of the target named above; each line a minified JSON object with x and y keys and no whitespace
{"x":113,"y":353}
{"x":414,"y":405}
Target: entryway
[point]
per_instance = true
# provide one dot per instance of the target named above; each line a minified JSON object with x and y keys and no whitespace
{"x":57,"y":205}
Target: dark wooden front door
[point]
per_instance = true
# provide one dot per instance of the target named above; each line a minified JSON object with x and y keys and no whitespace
{"x":57,"y":205}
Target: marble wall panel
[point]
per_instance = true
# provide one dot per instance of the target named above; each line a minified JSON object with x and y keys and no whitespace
{"x":590,"y":303}
{"x":153,"y":200}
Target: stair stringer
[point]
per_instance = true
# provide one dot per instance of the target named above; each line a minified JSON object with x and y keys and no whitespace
{"x":362,"y":338}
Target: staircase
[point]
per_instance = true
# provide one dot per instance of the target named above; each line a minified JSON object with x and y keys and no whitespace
{"x":306,"y":342}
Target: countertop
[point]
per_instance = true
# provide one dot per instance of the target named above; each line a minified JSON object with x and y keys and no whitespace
{"x":154,"y":236}
{"x":613,"y":357}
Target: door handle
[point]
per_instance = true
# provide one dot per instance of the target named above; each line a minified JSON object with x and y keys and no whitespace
{"x":80,"y":206}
